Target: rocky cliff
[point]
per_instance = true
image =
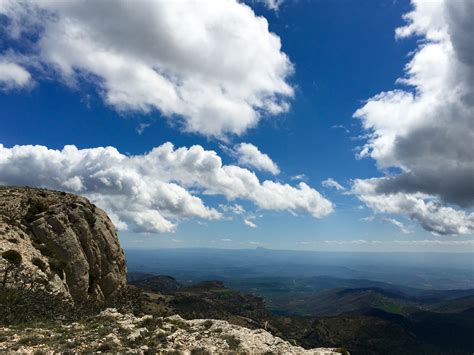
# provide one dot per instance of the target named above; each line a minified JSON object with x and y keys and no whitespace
{"x":61,"y":241}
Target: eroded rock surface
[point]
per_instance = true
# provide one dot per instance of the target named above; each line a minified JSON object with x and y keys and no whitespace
{"x":112,"y":332}
{"x":64,"y":241}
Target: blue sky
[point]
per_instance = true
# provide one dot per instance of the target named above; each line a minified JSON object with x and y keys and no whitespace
{"x":343,"y":53}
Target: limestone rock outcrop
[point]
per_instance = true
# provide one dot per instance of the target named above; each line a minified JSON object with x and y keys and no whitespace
{"x":63,"y":240}
{"x":114,"y":332}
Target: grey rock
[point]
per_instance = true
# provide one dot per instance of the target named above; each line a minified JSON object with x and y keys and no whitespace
{"x":64,"y":239}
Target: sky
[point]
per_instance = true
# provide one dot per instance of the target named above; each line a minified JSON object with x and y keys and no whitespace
{"x":313,"y":125}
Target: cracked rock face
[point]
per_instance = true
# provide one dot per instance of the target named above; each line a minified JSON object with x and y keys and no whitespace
{"x":64,"y":240}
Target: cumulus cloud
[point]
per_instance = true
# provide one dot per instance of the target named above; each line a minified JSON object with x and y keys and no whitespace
{"x":151,"y":192}
{"x":249,"y":155}
{"x":427,"y":130}
{"x":12,"y":75}
{"x":212,"y":65}
{"x":331,"y":183}
{"x":430,"y":213}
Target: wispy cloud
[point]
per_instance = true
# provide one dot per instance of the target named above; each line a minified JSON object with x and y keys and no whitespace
{"x":398,"y":224}
{"x":235,"y":208}
{"x":401,"y":226}
{"x":342,"y":127}
{"x":331,"y":183}
{"x":248,"y":222}
{"x":141,"y":127}
{"x":301,"y":177}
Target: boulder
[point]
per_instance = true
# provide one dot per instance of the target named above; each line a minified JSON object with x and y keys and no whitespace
{"x":64,"y":241}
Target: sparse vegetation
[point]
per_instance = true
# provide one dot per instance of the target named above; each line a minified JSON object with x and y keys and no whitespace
{"x":13,"y":262}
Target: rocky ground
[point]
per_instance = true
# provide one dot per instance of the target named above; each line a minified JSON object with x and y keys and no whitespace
{"x":111,"y":331}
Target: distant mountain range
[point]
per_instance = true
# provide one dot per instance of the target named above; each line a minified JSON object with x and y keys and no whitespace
{"x":368,"y":317}
{"x":325,"y":295}
{"x":427,"y":271}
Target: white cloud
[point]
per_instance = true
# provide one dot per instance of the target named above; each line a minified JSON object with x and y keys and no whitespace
{"x":249,"y":155}
{"x":151,"y":192}
{"x":12,"y":75}
{"x":212,"y":65}
{"x":432,"y":216}
{"x":435,"y":242}
{"x":393,"y":221}
{"x":226,"y":240}
{"x":345,"y":242}
{"x":249,"y":223}
{"x":331,"y":183}
{"x":141,"y":127}
{"x":235,"y":208}
{"x":412,"y":243}
{"x":397,"y":224}
{"x":426,"y":130}
{"x":340,"y":126}
{"x":271,"y":4}
{"x":301,"y":177}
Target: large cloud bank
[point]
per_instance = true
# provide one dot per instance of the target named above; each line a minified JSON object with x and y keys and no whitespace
{"x":154,"y":191}
{"x":211,"y":65}
{"x":427,"y":130}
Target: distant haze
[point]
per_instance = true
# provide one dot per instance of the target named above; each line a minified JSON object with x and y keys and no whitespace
{"x":420,"y":270}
